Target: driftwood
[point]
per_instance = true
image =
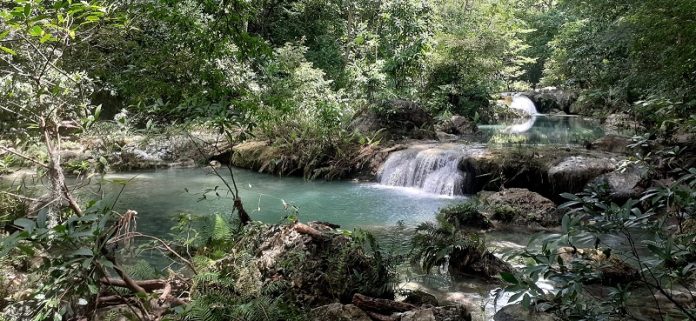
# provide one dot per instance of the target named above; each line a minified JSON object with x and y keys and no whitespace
{"x":381,"y":306}
{"x":308,"y":230}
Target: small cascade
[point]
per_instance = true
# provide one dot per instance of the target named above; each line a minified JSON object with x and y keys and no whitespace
{"x":433,"y":170}
{"x":524,"y":104}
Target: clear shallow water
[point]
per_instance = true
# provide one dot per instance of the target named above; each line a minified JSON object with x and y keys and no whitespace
{"x":543,"y":130}
{"x":158,"y":196}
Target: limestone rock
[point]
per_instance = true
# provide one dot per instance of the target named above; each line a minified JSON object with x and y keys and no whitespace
{"x":622,"y":124}
{"x":621,"y":185}
{"x":572,"y":173}
{"x":516,"y":312}
{"x":339,"y":312}
{"x":521,"y":206}
{"x":612,"y":143}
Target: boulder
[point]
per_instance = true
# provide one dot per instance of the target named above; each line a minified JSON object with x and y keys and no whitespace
{"x":316,"y":264}
{"x":610,"y":270}
{"x":457,"y":125}
{"x":419,"y":298}
{"x":516,"y":312}
{"x":522,"y":206}
{"x":339,"y":312}
{"x":612,"y":144}
{"x":621,"y":185}
{"x":398,"y":118}
{"x":572,"y":173}
{"x":465,"y":215}
{"x":475,"y":261}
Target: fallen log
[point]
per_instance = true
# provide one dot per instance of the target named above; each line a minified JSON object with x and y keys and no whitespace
{"x":147,"y":285}
{"x":306,"y":229}
{"x":381,"y":306}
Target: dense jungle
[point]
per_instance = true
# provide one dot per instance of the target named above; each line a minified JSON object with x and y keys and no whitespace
{"x":368,"y":160}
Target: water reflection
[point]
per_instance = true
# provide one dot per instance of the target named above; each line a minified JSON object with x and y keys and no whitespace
{"x":546,"y":130}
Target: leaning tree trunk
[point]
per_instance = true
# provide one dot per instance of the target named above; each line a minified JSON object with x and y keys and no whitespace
{"x":59,"y":193}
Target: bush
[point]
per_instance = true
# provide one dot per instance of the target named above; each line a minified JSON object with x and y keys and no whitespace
{"x":465,"y":215}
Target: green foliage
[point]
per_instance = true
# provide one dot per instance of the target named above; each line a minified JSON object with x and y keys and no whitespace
{"x":434,"y":243}
{"x":648,"y":234}
{"x":465,"y":215}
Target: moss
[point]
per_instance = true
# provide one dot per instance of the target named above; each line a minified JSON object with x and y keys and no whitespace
{"x":465,"y":215}
{"x":504,"y":213}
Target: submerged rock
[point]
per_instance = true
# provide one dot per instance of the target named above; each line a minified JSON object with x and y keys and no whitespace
{"x":572,"y":173}
{"x":522,"y":206}
{"x":516,"y":312}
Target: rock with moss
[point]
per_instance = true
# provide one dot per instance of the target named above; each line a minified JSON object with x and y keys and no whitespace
{"x":517,"y":312}
{"x":339,"y":312}
{"x":468,"y":261}
{"x":622,"y":184}
{"x":522,"y":206}
{"x":315,"y":264}
{"x":465,"y":215}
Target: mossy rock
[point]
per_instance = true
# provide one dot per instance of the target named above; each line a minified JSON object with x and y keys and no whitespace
{"x":465,"y":215}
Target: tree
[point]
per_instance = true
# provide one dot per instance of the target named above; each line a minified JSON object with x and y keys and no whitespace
{"x":36,"y":89}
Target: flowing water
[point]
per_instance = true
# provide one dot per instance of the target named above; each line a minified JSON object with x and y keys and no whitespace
{"x":414,"y":184}
{"x":524,"y":104}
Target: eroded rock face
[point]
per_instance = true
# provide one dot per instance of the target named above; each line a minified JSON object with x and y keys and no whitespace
{"x":139,"y":152}
{"x":522,"y":206}
{"x":339,"y":312}
{"x":548,"y":99}
{"x":399,"y":118}
{"x":516,"y":312}
{"x":572,"y":173}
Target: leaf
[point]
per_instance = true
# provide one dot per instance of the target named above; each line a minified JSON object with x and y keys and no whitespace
{"x":36,"y":31}
{"x":25,"y":224}
{"x":509,"y":277}
{"x":83,"y":251}
{"x":8,"y":50}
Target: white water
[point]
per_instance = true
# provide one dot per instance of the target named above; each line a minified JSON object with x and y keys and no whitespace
{"x":432,"y":169}
{"x":524,"y":104}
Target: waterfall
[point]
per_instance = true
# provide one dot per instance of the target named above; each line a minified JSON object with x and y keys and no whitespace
{"x":524,"y":104}
{"x":433,"y":170}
